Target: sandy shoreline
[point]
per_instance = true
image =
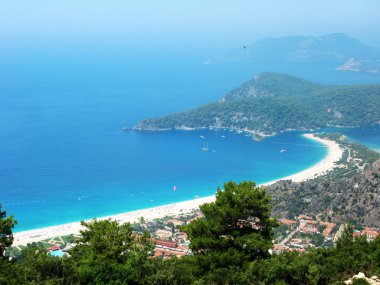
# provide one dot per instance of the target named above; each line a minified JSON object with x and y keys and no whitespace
{"x":326,"y":164}
{"x":334,"y":154}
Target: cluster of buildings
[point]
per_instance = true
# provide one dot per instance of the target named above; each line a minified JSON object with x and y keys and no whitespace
{"x":167,"y":236}
{"x":369,"y":233}
{"x":166,"y":249}
{"x":304,"y":232}
{"x":297,"y":234}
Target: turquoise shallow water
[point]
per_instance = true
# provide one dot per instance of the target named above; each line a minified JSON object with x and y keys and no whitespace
{"x":64,"y":157}
{"x":115,"y":172}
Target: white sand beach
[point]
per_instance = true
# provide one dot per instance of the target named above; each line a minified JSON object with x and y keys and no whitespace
{"x":328,"y":163}
{"x":22,"y":238}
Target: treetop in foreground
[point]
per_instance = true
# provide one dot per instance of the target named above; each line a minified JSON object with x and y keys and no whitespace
{"x":6,"y":226}
{"x":237,"y":225}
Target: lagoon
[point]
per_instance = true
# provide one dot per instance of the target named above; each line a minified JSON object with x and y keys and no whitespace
{"x":65,"y":158}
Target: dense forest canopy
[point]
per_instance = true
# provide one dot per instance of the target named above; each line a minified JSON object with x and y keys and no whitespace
{"x":230,"y":246}
{"x":272,"y":102}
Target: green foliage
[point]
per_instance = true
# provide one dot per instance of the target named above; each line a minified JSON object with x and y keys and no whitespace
{"x":230,"y":247}
{"x":34,"y":266}
{"x":320,"y":266}
{"x":171,"y":271}
{"x":360,"y":281}
{"x":237,"y":228}
{"x":6,"y":226}
{"x":108,"y":252}
{"x":346,"y":237}
{"x":347,"y":194}
{"x":270,"y":84}
{"x":292,"y":103}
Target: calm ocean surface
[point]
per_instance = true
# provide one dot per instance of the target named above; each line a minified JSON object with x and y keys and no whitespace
{"x":63,"y":156}
{"x":368,"y":136}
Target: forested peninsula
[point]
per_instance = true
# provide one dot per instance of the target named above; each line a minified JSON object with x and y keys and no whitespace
{"x":272,"y":102}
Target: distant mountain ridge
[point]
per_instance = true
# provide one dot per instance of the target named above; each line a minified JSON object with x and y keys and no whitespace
{"x":274,"y":102}
{"x":341,"y":51}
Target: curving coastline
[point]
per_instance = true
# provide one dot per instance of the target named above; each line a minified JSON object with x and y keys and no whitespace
{"x":335,"y":153}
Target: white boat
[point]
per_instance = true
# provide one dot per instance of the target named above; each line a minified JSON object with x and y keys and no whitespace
{"x":205,"y":147}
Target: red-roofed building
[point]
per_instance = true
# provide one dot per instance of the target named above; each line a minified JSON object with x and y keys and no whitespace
{"x":165,"y":249}
{"x":178,"y":253}
{"x":288,"y":222}
{"x":309,"y":228}
{"x":54,"y":248}
{"x":163,"y":243}
{"x":162,"y":253}
{"x":370,"y":233}
{"x":329,"y":227}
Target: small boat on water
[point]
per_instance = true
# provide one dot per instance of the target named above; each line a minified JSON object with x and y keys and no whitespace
{"x":205,"y":147}
{"x":283,"y":150}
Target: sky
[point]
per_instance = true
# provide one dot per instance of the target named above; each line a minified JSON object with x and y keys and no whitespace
{"x":192,"y":24}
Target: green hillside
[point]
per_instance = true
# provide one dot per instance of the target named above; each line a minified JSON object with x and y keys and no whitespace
{"x":271,"y":84}
{"x":273,"y":102}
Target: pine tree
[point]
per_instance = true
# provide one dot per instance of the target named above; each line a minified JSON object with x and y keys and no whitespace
{"x":6,"y":235}
{"x":236,"y":228}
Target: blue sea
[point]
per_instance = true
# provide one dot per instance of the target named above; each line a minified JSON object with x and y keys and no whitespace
{"x":368,"y":136}
{"x":64,"y":157}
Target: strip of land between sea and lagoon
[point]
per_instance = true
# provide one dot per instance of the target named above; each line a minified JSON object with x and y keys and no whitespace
{"x":334,"y":154}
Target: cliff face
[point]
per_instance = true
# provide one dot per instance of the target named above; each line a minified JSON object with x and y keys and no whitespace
{"x":353,"y":64}
{"x":349,"y":199}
